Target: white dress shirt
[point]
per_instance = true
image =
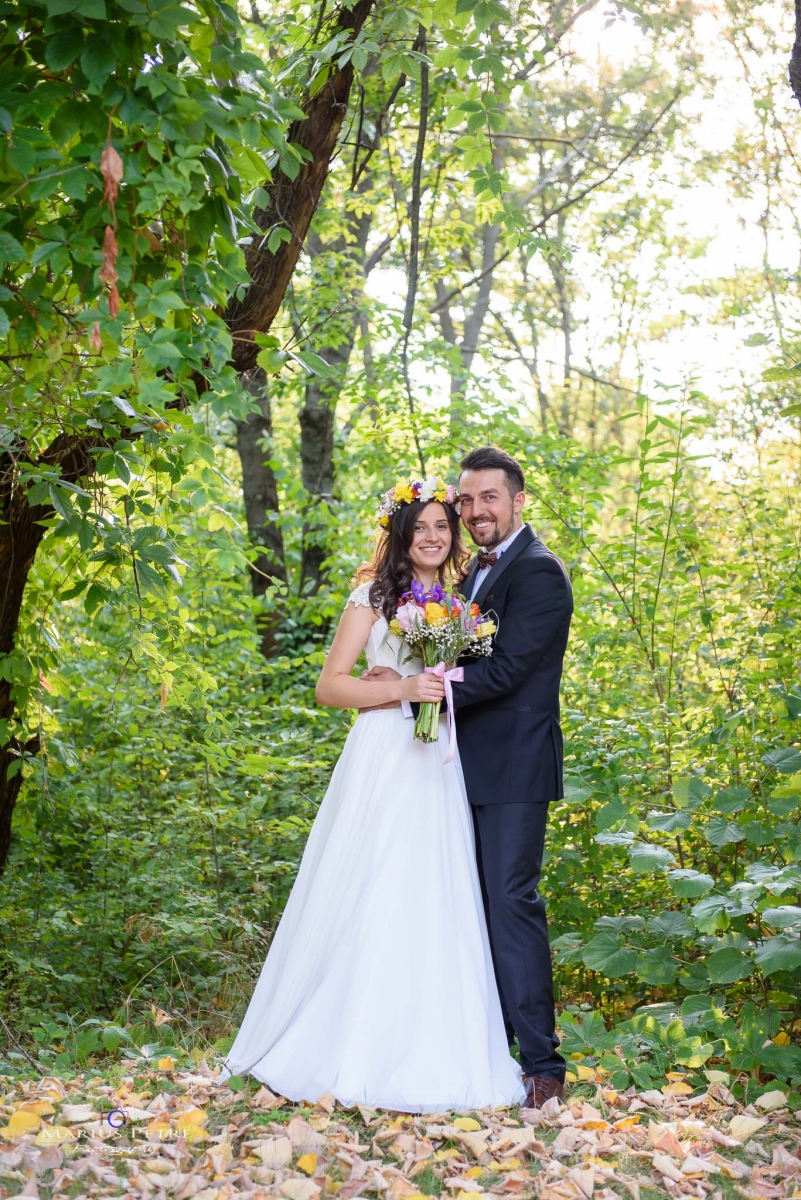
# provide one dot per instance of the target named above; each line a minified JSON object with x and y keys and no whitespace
{"x":484,"y":572}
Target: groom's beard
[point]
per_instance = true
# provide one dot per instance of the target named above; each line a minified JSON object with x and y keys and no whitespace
{"x":492,"y":535}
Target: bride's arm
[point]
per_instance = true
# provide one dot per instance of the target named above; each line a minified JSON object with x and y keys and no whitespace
{"x":337,"y":688}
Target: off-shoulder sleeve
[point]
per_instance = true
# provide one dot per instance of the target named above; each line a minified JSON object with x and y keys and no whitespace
{"x":360,"y":596}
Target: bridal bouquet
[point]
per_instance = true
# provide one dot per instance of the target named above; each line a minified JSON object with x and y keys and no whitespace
{"x":441,"y":626}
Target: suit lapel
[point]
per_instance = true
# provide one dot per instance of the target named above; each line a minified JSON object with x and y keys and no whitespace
{"x":467,"y":586}
{"x":523,"y":539}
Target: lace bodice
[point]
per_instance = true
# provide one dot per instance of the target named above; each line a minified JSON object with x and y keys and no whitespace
{"x":382,"y":646}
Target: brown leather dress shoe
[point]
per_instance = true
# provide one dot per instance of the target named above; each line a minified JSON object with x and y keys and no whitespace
{"x":540,"y":1088}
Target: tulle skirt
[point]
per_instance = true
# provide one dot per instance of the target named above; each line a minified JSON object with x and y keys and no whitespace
{"x":378,"y":986}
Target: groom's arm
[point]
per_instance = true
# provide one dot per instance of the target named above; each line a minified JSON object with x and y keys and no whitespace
{"x":540,"y":602}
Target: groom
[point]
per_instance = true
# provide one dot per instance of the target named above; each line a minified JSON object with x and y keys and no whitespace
{"x":510,"y":746}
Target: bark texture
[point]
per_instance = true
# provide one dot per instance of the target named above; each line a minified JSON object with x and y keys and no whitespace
{"x":20,"y":536}
{"x":260,"y":493}
{"x":795,"y":58}
{"x":292,"y":205}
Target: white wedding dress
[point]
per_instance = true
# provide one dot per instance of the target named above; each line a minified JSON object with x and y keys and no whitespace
{"x":378,"y":986}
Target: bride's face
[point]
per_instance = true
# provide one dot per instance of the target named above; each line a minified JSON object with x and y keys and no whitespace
{"x":431,"y":539}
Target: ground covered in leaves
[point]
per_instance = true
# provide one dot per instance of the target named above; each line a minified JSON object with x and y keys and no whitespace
{"x":169,"y":1132}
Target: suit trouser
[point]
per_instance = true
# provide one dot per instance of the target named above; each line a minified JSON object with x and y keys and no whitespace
{"x":510,"y":839}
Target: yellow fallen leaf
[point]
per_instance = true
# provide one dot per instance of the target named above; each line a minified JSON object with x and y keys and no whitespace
{"x":675,"y":1076}
{"x":194,"y":1133}
{"x":576,"y":1056}
{"x":584,"y":1073}
{"x":42,"y":1108}
{"x":160,"y":1129}
{"x":411,"y":1196}
{"x":627,"y":1122}
{"x":166,"y":1064}
{"x":442,"y":1155}
{"x":474,"y":1172}
{"x":468,"y":1124}
{"x":743,"y":1127}
{"x":769,"y":1101}
{"x":307,"y":1163}
{"x":463,"y":1195}
{"x":782,"y":1039}
{"x":192,"y":1116}
{"x":22,"y":1121}
{"x":508,"y":1164}
{"x":571,"y":1076}
{"x":677,"y":1089}
{"x":332,"y":1186}
{"x":54,"y":1135}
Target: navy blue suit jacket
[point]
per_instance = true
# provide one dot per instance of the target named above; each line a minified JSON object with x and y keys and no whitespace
{"x":507,"y":708}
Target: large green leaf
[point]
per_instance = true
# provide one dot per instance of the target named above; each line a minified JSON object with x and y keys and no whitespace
{"x":780,"y":953}
{"x":657,"y":967}
{"x":608,"y":954}
{"x":728,"y":965}
{"x":786,"y":916}
{"x":687,"y":884}
{"x":787,"y":760}
{"x":646,"y":857}
{"x":720,"y":832}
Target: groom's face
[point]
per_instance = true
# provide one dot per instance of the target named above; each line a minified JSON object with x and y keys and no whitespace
{"x":490,"y":513}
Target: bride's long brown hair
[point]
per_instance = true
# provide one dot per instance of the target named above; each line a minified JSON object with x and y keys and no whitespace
{"x":391,"y":570}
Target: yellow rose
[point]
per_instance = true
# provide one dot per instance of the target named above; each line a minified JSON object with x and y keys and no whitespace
{"x":403,"y":493}
{"x":436,"y":614}
{"x":395,"y":625}
{"x":485,"y":628}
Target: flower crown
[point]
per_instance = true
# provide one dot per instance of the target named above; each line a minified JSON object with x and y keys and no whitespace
{"x":407,"y":491}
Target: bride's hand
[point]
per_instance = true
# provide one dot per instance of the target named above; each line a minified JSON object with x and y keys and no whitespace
{"x":423,"y":688}
{"x":377,"y":674}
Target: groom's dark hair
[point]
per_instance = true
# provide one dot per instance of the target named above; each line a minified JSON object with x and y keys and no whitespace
{"x":492,"y":458}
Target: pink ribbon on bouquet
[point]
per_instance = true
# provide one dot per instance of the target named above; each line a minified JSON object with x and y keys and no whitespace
{"x":455,"y":675}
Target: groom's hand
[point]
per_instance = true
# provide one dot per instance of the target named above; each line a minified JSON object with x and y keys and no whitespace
{"x":381,"y":673}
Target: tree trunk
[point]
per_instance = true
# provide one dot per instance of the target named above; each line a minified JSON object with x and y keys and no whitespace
{"x":20,"y":536}
{"x":795,"y":57}
{"x":292,"y":203}
{"x":318,"y":415}
{"x":260,"y":493}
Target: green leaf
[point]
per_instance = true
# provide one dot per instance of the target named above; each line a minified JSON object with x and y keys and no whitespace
{"x":792,"y":410}
{"x":687,"y":884}
{"x":690,"y":791}
{"x":607,"y":954}
{"x":11,"y":250}
{"x":780,"y":953}
{"x":732,"y":799}
{"x":781,"y":374}
{"x":314,"y":363}
{"x":669,"y":822}
{"x":657,"y":967}
{"x":5,"y":324}
{"x":786,"y":916}
{"x":671,"y":925}
{"x":63,"y":47}
{"x":786,"y":760}
{"x":646,"y":858}
{"x":720,"y":832}
{"x":713,"y":913}
{"x":728,"y":965}
{"x":97,"y":60}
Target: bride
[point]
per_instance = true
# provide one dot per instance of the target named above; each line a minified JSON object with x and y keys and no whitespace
{"x":378,"y":986}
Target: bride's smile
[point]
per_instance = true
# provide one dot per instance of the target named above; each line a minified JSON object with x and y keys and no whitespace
{"x":431,"y":542}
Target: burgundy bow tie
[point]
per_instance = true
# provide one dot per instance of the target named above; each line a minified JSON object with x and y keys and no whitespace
{"x":486,"y":558}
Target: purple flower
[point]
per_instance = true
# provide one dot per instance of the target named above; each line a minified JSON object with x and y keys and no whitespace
{"x":419,"y":592}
